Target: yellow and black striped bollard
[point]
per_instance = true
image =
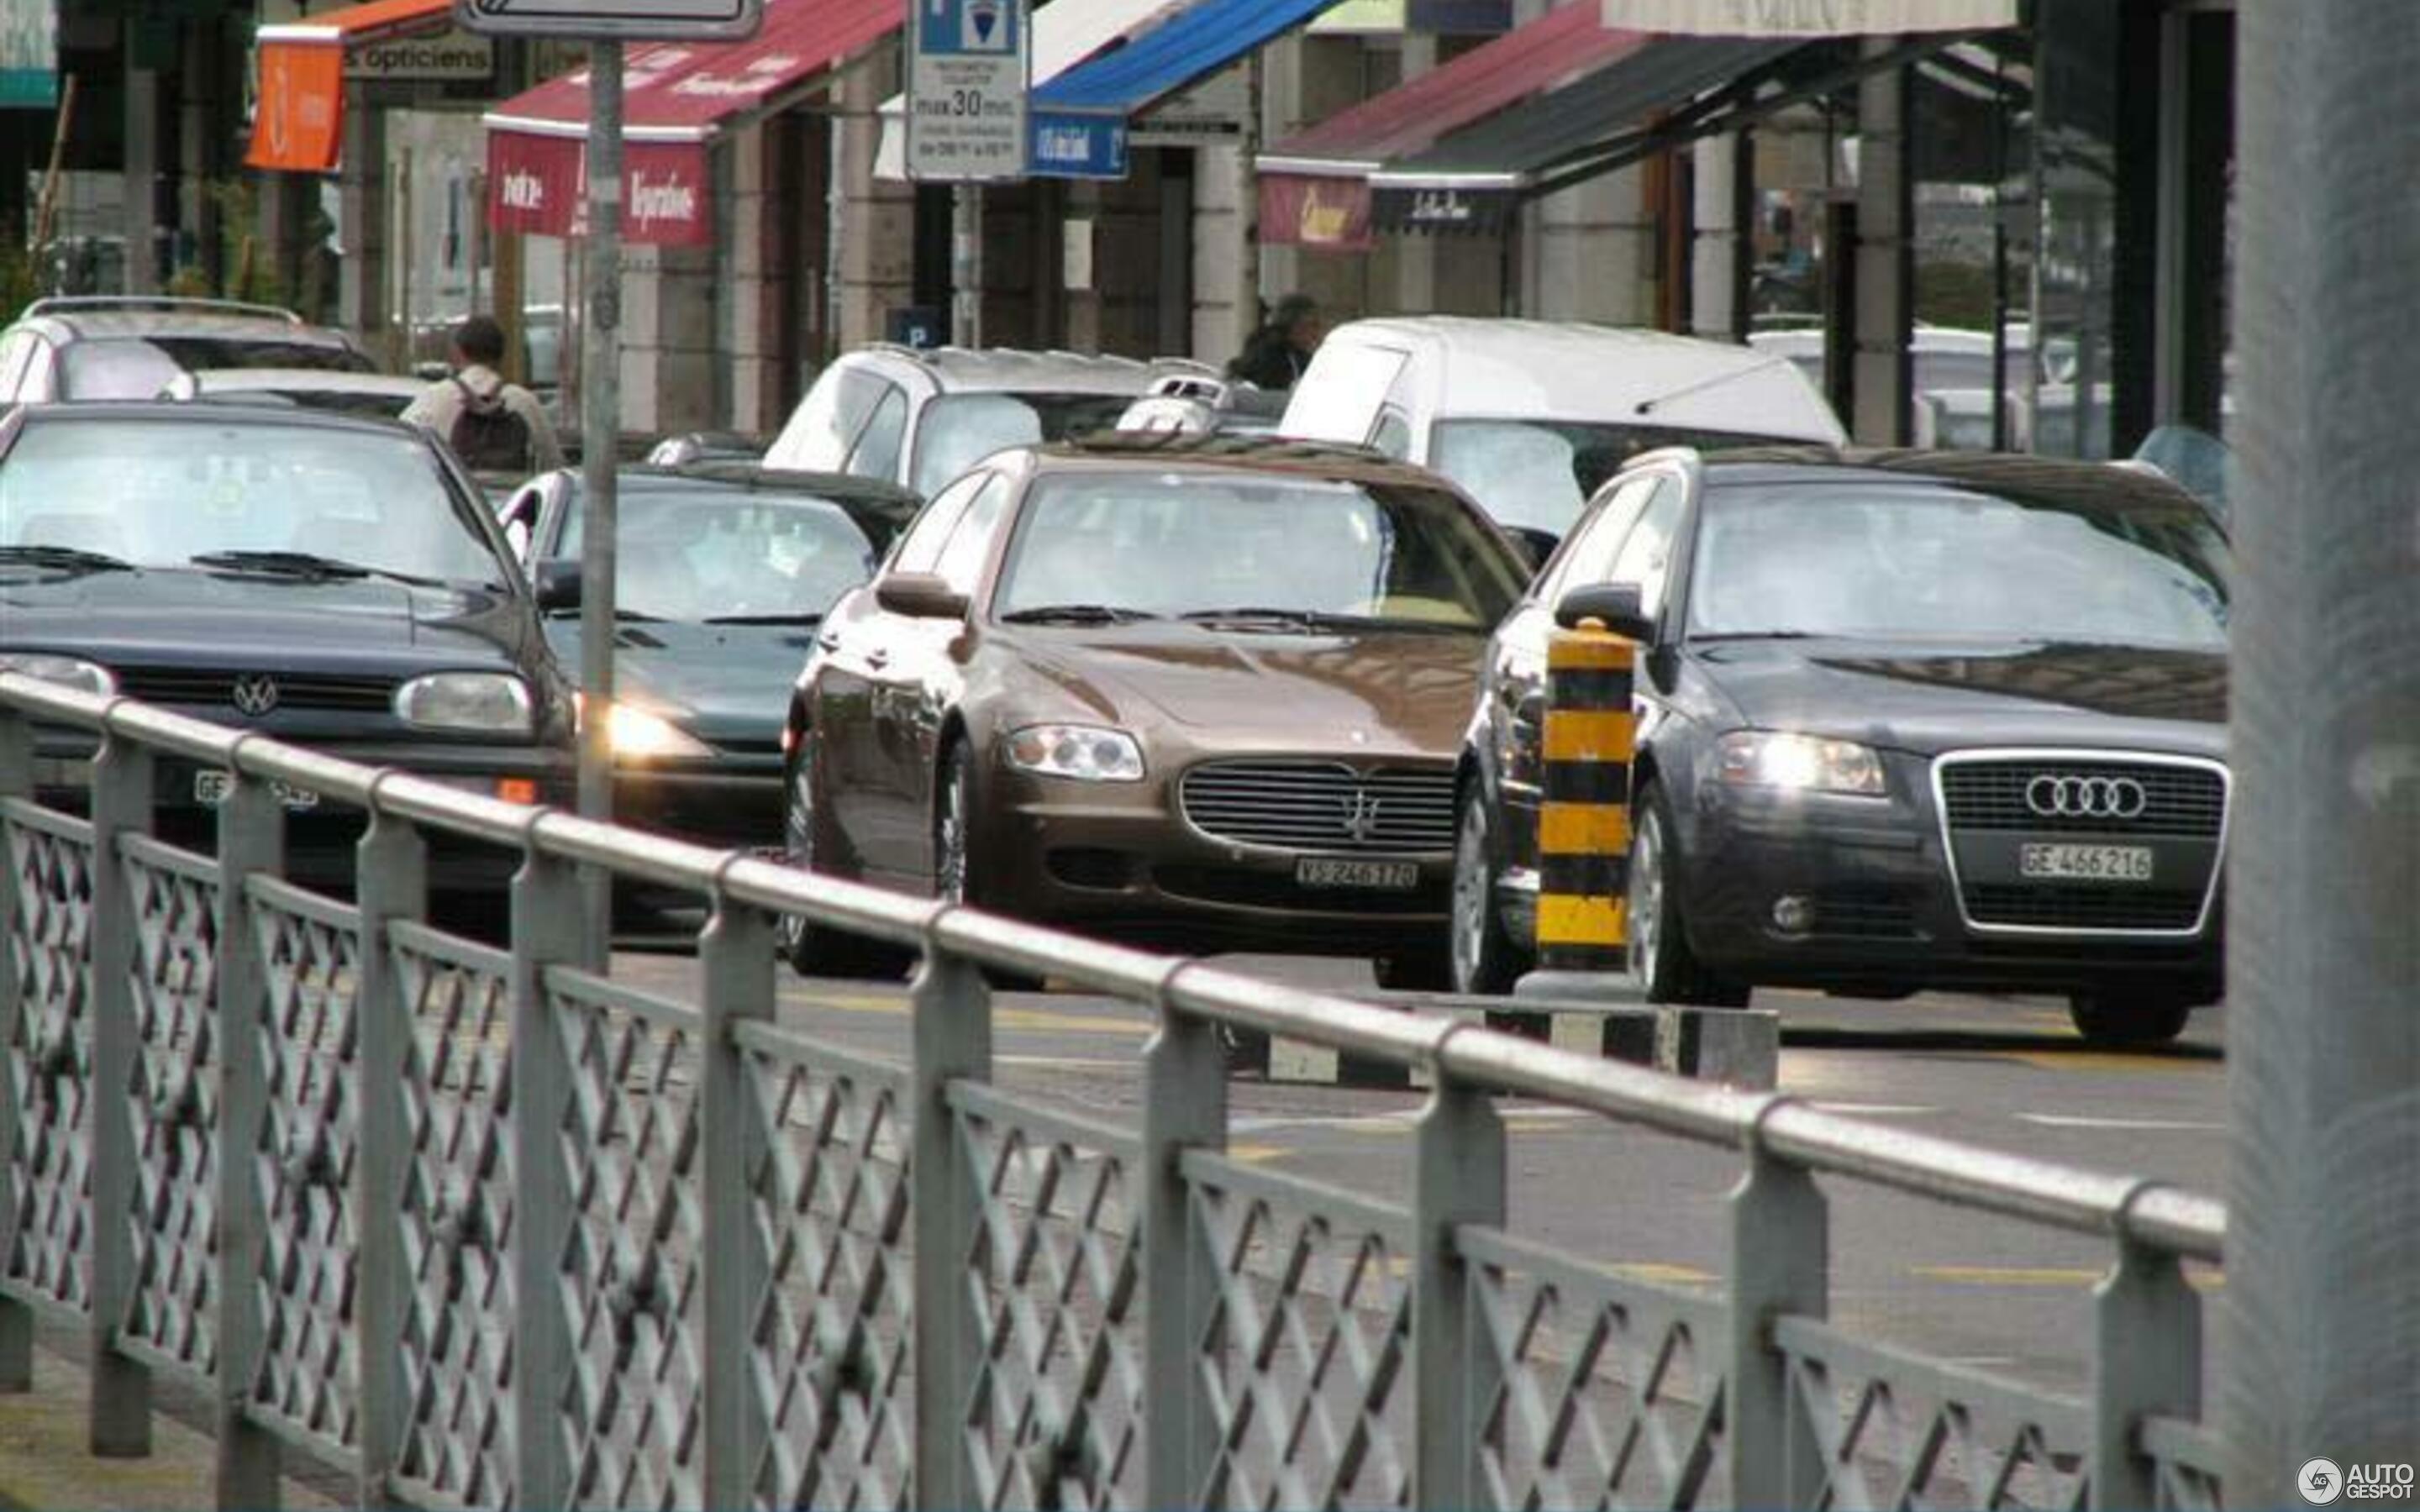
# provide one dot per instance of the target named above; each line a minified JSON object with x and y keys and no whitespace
{"x":1584,"y":822}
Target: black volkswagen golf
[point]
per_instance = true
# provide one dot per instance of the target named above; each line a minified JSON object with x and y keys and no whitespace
{"x":1907,"y":720}
{"x":334,"y":582}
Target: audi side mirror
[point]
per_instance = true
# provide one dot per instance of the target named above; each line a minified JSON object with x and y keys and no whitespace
{"x":557,"y":581}
{"x":920,"y":595}
{"x":1613,"y":605}
{"x":1535,"y":543}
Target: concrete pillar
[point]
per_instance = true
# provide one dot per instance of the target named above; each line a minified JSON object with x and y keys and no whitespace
{"x":1225,"y":306}
{"x":143,"y":170}
{"x":361,"y":187}
{"x":1885,"y":263}
{"x":751,"y":314}
{"x":1715,"y":309}
{"x":1591,"y":253}
{"x":668,"y":346}
{"x":878,"y":217}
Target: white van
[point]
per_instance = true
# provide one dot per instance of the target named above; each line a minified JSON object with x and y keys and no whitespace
{"x":1530,"y":416}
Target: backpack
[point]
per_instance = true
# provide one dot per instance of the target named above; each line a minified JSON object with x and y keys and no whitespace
{"x":488,"y":436}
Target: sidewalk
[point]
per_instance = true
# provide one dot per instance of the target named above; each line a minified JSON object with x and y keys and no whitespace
{"x":44,"y":1466}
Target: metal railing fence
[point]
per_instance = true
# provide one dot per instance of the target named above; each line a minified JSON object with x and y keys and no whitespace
{"x":492,"y":1228}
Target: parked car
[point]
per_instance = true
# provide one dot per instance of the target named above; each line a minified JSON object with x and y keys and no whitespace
{"x":1906,"y":721}
{"x":96,"y":346}
{"x":331,"y":582}
{"x":1199,"y":692}
{"x":1530,"y":416}
{"x":920,"y":416}
{"x":371,"y":395}
{"x":723,"y":574}
{"x":705,"y":446}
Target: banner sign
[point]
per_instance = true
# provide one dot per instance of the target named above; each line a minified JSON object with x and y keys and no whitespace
{"x":1807,"y":18}
{"x":1325,"y":214}
{"x":29,"y":54}
{"x":539,"y":185}
{"x":1068,"y":144}
{"x":300,"y":118}
{"x":969,"y":63}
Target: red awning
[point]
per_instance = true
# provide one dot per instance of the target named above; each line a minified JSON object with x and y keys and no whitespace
{"x":1315,"y":185}
{"x":674,"y":97}
{"x":300,"y":122}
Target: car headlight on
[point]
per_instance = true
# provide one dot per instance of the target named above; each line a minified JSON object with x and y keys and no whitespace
{"x":1803,"y":763}
{"x":636,"y":732}
{"x":481,"y":703}
{"x":68,"y":672}
{"x":1087,"y":753}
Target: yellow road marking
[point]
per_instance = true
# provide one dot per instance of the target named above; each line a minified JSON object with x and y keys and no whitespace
{"x":1663,"y":1274}
{"x":2102,"y":1060}
{"x":1256,"y":1155}
{"x":2009,"y":1275}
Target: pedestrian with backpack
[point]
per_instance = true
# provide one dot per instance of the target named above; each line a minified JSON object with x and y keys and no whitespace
{"x":494,"y":427}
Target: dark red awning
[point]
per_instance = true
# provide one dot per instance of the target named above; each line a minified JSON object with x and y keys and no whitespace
{"x":1314,"y":184}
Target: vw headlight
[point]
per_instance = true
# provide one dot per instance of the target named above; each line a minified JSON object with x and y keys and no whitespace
{"x":1803,"y":763}
{"x":483,"y":703}
{"x":68,"y":672}
{"x":636,"y":732}
{"x":1087,"y":753}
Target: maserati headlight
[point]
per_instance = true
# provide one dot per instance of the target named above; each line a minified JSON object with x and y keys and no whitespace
{"x":1804,"y":764}
{"x":484,"y":703}
{"x":1087,"y":753}
{"x":68,"y":672}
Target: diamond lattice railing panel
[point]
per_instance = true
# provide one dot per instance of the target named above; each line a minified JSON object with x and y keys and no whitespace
{"x":50,"y":1060}
{"x":1055,"y":1413}
{"x":1916,"y":1444}
{"x":457,"y":1217}
{"x":833,"y":1332}
{"x":634,"y":1412}
{"x":310,"y":1371}
{"x":2179,"y":1486}
{"x":1606,"y":1394}
{"x":174,"y":1106}
{"x":1304,"y":1356}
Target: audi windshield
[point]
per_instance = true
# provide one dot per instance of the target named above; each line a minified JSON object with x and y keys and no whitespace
{"x":1937,"y":561}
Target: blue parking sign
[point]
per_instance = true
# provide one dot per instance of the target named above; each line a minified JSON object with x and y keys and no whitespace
{"x":968,"y":67}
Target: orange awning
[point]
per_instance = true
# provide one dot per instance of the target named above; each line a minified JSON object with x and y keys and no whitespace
{"x":299,"y":124}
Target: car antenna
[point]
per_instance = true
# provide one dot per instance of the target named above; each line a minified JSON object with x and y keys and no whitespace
{"x":1646,"y":405}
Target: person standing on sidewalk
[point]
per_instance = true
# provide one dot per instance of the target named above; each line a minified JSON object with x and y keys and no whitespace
{"x":494,"y":427}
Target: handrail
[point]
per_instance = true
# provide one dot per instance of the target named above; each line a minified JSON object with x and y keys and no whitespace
{"x":2154,"y":1215}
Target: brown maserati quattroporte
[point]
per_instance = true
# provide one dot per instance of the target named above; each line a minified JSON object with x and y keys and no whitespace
{"x":1199,"y":692}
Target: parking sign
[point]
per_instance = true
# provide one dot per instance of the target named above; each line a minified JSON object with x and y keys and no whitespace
{"x":968,"y":67}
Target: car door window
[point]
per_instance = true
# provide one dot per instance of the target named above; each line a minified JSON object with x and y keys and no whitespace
{"x":962,"y":560}
{"x":876,"y":452}
{"x":1646,"y":554}
{"x":1394,"y":435}
{"x":922,"y":544}
{"x":1588,"y":559}
{"x":825,"y":429}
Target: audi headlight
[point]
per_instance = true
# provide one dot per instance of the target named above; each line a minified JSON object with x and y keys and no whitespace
{"x":1087,"y":753}
{"x":1801,"y":763}
{"x":68,"y":672}
{"x":483,"y":703}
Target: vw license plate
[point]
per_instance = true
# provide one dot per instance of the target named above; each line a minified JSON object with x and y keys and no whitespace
{"x":1393,"y":876}
{"x":2085,"y":863}
{"x":210,"y":788}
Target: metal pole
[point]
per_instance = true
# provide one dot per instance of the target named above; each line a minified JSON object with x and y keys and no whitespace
{"x":601,"y":397}
{"x":2320,"y":1314}
{"x":967,"y":266}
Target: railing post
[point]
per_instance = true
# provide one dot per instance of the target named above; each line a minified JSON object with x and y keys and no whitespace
{"x":737,"y":967}
{"x":1457,"y":1178}
{"x":951,"y":1039}
{"x":548,"y":929}
{"x":1780,"y":1264}
{"x":2147,"y":1359}
{"x":16,"y":1318}
{"x":120,"y":1414}
{"x":251,"y":840}
{"x":391,"y":866}
{"x":1184,"y":1106}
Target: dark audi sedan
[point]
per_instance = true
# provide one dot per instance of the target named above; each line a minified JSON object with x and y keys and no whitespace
{"x":1907,"y":720}
{"x":332,"y":581}
{"x":1199,"y":692}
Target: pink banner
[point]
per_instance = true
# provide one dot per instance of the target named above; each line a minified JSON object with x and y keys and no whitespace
{"x":539,"y":185}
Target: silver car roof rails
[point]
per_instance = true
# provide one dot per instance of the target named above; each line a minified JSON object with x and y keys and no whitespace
{"x":96,"y":303}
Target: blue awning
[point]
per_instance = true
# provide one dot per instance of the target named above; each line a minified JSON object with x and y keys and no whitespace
{"x":1088,"y":106}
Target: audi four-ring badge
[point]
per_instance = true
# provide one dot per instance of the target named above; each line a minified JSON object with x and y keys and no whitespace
{"x":1907,"y":721}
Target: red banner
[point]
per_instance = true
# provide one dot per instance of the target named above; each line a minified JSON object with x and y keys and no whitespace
{"x":539,"y":185}
{"x":299,"y":124}
{"x":1324,"y":214}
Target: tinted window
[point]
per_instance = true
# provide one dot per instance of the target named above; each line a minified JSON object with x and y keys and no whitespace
{"x":1204,"y":544}
{"x":160,"y":493}
{"x":1646,"y":554}
{"x":704,"y":554}
{"x":1538,"y":474}
{"x":1588,"y":560}
{"x":1943,"y":562}
{"x":959,"y":430}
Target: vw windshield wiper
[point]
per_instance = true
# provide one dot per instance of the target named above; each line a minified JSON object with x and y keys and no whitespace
{"x":763,"y":619}
{"x":284,"y":564}
{"x":65,"y":556}
{"x":1076,"y":614}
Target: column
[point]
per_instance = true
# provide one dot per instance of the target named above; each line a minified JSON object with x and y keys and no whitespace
{"x":877,"y":219}
{"x":1885,"y":262}
{"x":1720,"y":241}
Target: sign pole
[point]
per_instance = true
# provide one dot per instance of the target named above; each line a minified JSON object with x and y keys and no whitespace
{"x":601,"y":393}
{"x":967,"y":265}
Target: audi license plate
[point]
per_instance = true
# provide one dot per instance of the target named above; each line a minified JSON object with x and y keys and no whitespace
{"x":210,"y":788}
{"x":2085,"y":863}
{"x":1391,"y":876}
